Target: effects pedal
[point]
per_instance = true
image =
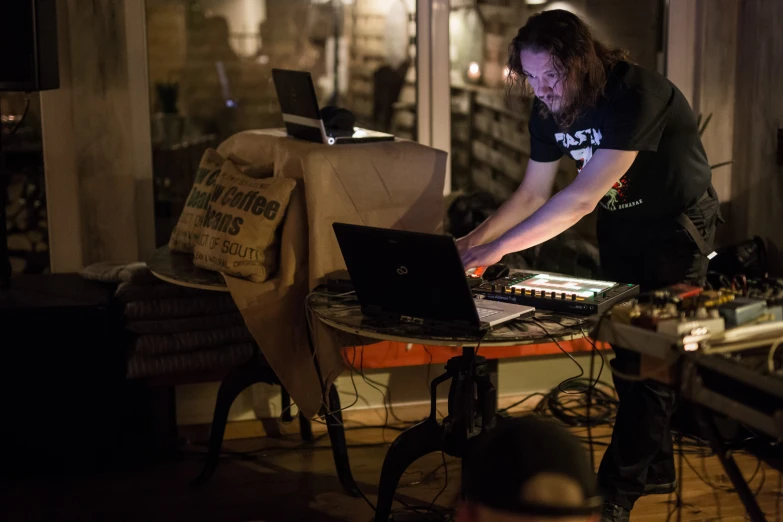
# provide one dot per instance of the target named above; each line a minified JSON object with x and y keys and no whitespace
{"x":742,"y":310}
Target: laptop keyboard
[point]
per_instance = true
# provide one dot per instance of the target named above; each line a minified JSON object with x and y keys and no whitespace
{"x":485,"y":312}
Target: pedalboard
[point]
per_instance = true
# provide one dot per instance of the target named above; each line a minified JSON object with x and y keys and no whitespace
{"x":555,"y":292}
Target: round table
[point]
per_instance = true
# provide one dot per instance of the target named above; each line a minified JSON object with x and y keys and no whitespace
{"x":472,"y":402}
{"x":344,"y":313}
{"x":177,"y":268}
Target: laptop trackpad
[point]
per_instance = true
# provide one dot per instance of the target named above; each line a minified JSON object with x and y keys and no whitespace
{"x":489,"y":305}
{"x":340,"y":133}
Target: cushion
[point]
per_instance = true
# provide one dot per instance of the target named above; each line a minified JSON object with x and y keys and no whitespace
{"x":185,"y":234}
{"x":238,"y":234}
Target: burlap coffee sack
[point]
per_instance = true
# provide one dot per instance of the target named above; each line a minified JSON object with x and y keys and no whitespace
{"x":185,"y":234}
{"x":239,"y":230}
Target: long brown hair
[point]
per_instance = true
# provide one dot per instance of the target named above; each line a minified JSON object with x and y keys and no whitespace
{"x":583,"y":61}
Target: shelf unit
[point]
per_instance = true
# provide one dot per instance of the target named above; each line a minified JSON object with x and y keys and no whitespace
{"x":490,"y":142}
{"x":367,"y":54}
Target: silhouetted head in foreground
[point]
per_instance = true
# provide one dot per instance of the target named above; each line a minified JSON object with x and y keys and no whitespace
{"x":528,"y":470}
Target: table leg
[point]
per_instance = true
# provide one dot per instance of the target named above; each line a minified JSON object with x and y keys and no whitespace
{"x":305,"y":429}
{"x":285,"y":403}
{"x":472,"y":401}
{"x":426,"y":437}
{"x":235,"y":383}
{"x":413,"y":443}
{"x":334,"y":425}
{"x":729,"y":465}
{"x":472,"y":411}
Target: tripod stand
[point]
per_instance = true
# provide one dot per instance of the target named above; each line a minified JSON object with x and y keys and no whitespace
{"x":471,"y":412}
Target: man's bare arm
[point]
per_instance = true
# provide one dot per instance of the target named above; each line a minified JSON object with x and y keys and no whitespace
{"x":533,"y":192}
{"x":568,"y":206}
{"x":562,"y":211}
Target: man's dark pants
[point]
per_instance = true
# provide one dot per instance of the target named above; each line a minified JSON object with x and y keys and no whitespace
{"x":653,"y":255}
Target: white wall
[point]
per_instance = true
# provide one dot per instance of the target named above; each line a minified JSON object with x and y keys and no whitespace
{"x":96,"y":140}
{"x":516,"y":377}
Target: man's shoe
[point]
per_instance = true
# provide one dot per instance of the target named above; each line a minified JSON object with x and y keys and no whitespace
{"x":660,"y":489}
{"x":614,"y":513}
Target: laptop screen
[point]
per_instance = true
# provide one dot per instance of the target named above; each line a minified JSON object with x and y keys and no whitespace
{"x":296,"y":93}
{"x":407,"y":274}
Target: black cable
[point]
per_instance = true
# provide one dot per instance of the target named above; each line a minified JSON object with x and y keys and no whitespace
{"x":715,"y":494}
{"x":312,"y":345}
{"x":422,"y":479}
{"x":431,"y":508}
{"x":581,"y":370}
{"x":680,"y":501}
{"x":756,"y":472}
{"x":587,"y":413}
{"x":481,"y":339}
{"x":591,"y":382}
{"x":507,"y":408}
{"x":591,"y":385}
{"x":594,"y":348}
{"x":445,"y":481}
{"x":383,"y":395}
{"x":428,"y":382}
{"x":371,"y":382}
{"x":387,"y":408}
{"x":330,"y":413}
{"x":566,"y":406}
{"x":429,"y":366}
{"x":763,"y":479}
{"x":704,"y":478}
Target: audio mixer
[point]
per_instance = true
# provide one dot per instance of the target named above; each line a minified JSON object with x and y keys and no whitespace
{"x":559,"y":293}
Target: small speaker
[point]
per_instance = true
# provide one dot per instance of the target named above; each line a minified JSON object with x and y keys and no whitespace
{"x":28,"y":45}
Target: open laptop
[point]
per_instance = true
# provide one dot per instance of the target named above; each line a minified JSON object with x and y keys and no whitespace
{"x":302,"y":116}
{"x":416,"y":278}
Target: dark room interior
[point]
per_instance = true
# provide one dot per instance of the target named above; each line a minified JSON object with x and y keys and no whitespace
{"x":391,"y":260}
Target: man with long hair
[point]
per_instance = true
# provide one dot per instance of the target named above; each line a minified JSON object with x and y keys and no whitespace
{"x":641,"y":161}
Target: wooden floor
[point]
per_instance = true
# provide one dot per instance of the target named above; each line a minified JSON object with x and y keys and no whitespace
{"x":284,"y":482}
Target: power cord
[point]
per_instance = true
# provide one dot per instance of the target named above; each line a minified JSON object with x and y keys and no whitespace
{"x":312,"y":335}
{"x":445,"y":482}
{"x":375,"y":384}
{"x":581,"y":370}
{"x":427,"y":379}
{"x":445,"y":516}
{"x":715,"y":494}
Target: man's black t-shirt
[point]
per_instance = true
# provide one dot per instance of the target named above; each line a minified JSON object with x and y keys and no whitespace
{"x":640,"y":110}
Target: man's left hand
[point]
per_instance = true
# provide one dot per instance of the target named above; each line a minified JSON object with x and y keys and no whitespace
{"x":482,"y":255}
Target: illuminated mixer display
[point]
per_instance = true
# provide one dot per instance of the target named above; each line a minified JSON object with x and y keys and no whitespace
{"x":582,"y":288}
{"x":557,"y":292}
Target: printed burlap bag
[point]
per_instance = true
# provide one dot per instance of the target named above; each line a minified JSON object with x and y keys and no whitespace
{"x":238,"y":234}
{"x":185,"y":234}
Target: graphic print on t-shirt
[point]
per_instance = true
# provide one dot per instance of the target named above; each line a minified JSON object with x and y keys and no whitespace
{"x":581,"y":146}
